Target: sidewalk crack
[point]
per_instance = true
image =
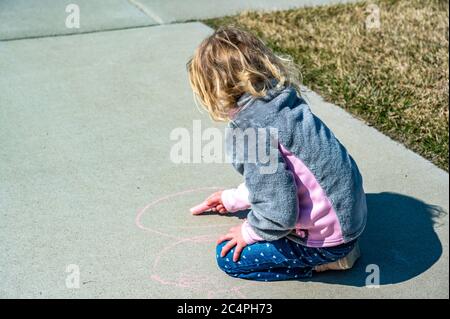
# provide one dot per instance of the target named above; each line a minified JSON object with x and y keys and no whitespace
{"x":147,"y":11}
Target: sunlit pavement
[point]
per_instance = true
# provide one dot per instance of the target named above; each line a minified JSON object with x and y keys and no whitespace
{"x":88,"y":190}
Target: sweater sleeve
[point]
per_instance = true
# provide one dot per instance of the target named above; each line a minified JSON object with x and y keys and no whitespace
{"x":272,"y":192}
{"x":236,"y":199}
{"x":249,"y":234}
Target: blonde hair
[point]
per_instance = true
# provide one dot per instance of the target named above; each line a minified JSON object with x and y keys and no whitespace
{"x":232,"y":62}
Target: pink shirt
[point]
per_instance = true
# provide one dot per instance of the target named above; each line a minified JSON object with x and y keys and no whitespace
{"x":316,"y":217}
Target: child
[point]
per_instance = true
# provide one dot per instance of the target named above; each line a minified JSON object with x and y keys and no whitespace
{"x":307,"y":213}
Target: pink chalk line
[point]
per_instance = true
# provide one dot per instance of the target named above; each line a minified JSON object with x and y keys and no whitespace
{"x":187,"y":281}
{"x":184,"y":282}
{"x":162,"y":199}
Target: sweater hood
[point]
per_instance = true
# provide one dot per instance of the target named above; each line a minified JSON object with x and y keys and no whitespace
{"x":276,"y":99}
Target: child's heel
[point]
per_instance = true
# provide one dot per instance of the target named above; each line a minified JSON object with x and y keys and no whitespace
{"x":344,"y":263}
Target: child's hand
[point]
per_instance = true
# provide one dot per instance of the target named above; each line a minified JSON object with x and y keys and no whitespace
{"x":235,"y":239}
{"x":215,"y":202}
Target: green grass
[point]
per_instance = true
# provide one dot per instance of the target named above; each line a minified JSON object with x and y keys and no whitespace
{"x":394,"y":78}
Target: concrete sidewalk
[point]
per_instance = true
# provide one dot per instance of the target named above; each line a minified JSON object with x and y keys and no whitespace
{"x":86,"y":180}
{"x":28,"y":19}
{"x":85,"y":129}
{"x":21,"y":19}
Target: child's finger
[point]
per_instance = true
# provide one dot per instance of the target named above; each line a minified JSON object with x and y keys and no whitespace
{"x":225,"y":237}
{"x":227,"y":247}
{"x":197,"y":210}
{"x":237,"y":252}
{"x":213,"y":199}
{"x":221,"y":209}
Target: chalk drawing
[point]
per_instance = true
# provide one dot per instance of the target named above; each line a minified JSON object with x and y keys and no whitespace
{"x":191,"y":278}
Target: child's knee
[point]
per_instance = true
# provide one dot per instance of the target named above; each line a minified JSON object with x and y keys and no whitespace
{"x":221,"y":260}
{"x":225,"y":263}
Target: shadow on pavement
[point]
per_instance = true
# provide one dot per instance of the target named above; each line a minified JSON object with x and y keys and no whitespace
{"x":399,"y":238}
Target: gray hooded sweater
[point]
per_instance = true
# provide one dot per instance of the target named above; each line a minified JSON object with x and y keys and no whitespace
{"x":289,"y":134}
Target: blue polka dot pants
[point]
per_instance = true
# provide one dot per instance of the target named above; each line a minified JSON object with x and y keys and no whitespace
{"x":282,"y":259}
